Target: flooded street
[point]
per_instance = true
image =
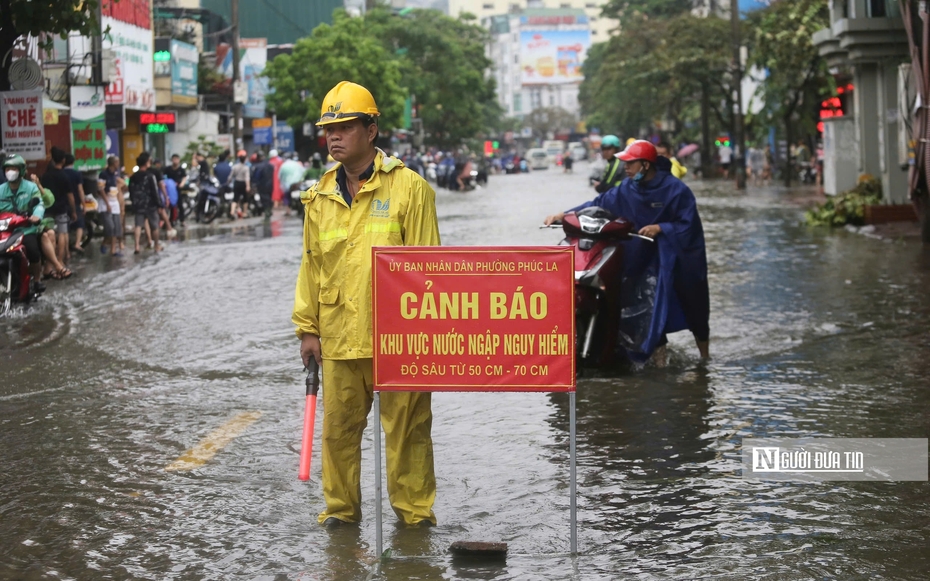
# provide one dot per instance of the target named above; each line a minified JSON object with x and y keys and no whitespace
{"x":117,"y":372}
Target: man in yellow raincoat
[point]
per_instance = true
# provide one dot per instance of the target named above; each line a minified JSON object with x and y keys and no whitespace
{"x":368,"y":199}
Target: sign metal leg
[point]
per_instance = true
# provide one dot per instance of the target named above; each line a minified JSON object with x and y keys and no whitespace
{"x":571,"y":453}
{"x":378,"y":540}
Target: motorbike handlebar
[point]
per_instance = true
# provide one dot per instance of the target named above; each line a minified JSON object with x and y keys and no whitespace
{"x":646,"y":238}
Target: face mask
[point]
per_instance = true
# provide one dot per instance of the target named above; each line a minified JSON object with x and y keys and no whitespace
{"x":639,"y":176}
{"x":12,"y":175}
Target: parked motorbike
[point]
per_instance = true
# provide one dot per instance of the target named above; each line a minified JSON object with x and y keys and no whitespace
{"x":187,"y":201}
{"x":597,"y":236}
{"x":217,"y":200}
{"x":16,"y":284}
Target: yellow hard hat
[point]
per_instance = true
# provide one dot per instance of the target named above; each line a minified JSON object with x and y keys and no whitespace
{"x":347,"y":101}
{"x":630,"y":140}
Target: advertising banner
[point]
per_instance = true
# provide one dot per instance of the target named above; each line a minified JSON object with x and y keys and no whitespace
{"x":473,"y":318}
{"x":184,"y":61}
{"x":132,"y":43}
{"x":553,"y":57}
{"x":88,"y":128}
{"x":21,"y":122}
{"x":253,"y":55}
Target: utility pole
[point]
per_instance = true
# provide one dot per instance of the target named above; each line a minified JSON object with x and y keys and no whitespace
{"x":97,"y":48}
{"x":237,"y":107}
{"x":739,"y":147}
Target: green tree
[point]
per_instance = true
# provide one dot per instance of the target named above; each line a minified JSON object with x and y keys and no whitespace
{"x":676,"y":69}
{"x":797,"y":75}
{"x":20,"y":17}
{"x":343,"y":51}
{"x":443,"y":64}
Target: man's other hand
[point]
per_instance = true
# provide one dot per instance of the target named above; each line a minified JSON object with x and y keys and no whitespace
{"x":554,"y":218}
{"x":310,"y":347}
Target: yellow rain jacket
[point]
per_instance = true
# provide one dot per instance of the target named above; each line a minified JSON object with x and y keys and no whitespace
{"x":333,"y":297}
{"x":394,"y":207}
{"x":678,"y":170}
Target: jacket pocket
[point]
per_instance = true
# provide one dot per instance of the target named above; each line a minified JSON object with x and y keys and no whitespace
{"x":329,"y":296}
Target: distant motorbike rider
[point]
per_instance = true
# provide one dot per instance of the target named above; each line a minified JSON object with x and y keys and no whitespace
{"x":610,"y":147}
{"x":241,"y":179}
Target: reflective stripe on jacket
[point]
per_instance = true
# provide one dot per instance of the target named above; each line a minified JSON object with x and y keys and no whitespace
{"x":395,"y":207}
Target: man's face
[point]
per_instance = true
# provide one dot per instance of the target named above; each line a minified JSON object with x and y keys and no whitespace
{"x":662,"y":151}
{"x":175,"y":161}
{"x":115,"y":163}
{"x":608,"y":152}
{"x":634,"y":167}
{"x":349,"y":140}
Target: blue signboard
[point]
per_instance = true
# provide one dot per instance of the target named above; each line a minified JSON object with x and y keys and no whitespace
{"x":285,"y":140}
{"x":184,"y":61}
{"x":262,"y":135}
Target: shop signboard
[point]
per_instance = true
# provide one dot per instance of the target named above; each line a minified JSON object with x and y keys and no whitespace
{"x":130,"y":38}
{"x":284,"y":137}
{"x":88,"y":127}
{"x":184,"y":60}
{"x":21,"y":121}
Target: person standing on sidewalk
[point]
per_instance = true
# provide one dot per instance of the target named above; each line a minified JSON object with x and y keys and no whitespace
{"x":368,"y":199}
{"x":64,"y":210}
{"x":145,"y":195}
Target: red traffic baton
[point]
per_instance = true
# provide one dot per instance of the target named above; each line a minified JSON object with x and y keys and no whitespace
{"x":306,"y":444}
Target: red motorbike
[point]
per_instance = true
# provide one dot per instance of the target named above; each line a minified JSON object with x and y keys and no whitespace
{"x":597,"y":235}
{"x":15,"y":282}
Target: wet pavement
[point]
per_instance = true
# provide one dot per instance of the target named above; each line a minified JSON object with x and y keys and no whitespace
{"x":117,"y":372}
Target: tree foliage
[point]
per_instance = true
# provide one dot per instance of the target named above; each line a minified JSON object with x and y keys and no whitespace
{"x":343,"y":51}
{"x":436,"y":59}
{"x":658,"y":69}
{"x":797,"y":76}
{"x":21,"y":17}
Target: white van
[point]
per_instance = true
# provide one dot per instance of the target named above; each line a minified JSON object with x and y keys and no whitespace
{"x":554,"y":147}
{"x":577,"y":150}
{"x":537,"y":158}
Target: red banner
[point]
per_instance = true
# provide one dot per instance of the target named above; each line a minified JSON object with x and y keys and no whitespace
{"x":473,"y":318}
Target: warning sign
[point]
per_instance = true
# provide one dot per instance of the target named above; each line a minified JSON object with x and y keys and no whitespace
{"x":473,"y":318}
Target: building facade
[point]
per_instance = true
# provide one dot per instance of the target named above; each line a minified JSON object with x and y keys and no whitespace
{"x":483,"y":9}
{"x":869,"y":39}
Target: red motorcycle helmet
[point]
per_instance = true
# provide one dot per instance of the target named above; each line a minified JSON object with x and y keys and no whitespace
{"x":638,"y":150}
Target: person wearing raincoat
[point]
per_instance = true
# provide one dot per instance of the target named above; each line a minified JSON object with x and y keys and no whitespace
{"x":613,"y":173}
{"x":367,"y":199}
{"x":665,"y":280}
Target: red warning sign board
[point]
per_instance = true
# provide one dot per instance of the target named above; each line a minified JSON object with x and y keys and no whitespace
{"x":473,"y":318}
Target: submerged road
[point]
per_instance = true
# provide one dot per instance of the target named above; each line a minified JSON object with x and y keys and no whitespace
{"x":152,"y":409}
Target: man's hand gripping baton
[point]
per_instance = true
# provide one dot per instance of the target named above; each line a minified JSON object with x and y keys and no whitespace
{"x":306,"y":445}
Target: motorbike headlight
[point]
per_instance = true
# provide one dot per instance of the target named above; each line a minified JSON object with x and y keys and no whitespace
{"x":5,"y":224}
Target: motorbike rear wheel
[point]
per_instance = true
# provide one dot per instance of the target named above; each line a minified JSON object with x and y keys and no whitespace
{"x":210,"y":211}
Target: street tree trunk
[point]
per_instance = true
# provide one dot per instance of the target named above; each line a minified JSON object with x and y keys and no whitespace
{"x":706,"y":154}
{"x":789,"y":139}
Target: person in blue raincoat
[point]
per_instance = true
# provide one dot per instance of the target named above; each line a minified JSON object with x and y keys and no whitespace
{"x":664,"y":282}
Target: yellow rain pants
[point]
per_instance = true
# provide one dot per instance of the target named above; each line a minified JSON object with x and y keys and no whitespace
{"x":406,"y":419}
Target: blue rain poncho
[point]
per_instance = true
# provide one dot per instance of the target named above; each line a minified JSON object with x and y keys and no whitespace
{"x":664,"y":287}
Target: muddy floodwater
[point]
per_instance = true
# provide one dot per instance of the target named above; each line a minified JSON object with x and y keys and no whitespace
{"x":118,"y":371}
